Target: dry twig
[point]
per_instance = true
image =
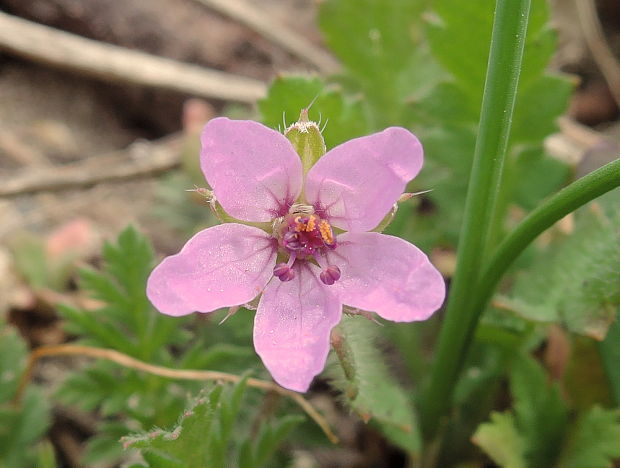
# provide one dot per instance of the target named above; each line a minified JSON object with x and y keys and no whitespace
{"x":181,"y":374}
{"x":140,"y":159}
{"x":603,"y":56}
{"x":250,"y":16}
{"x":60,"y":49}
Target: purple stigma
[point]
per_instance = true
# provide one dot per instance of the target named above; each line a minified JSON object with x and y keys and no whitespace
{"x":330,"y":275}
{"x":284,"y":272}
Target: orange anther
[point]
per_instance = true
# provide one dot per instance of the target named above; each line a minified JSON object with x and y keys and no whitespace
{"x":326,"y":232}
{"x":311,"y":224}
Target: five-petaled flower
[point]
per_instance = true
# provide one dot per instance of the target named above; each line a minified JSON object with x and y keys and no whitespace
{"x":317,"y":254}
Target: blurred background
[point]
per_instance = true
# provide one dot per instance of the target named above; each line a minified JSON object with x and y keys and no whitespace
{"x":94,"y":137}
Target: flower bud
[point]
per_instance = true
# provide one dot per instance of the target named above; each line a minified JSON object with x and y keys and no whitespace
{"x":306,"y":138}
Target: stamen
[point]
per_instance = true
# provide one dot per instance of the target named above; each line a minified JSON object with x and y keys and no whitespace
{"x":326,"y":233}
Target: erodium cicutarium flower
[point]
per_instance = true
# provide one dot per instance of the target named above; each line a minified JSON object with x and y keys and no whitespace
{"x":303,"y":242}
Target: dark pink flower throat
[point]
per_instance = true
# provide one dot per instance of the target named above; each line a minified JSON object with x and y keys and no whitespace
{"x":305,"y":237}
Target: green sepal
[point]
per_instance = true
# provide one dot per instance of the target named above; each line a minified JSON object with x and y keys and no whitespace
{"x":306,"y":138}
{"x":368,"y":388}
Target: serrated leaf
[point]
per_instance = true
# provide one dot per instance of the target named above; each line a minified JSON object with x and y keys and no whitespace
{"x":190,"y":443}
{"x":125,"y":322}
{"x":501,"y":440}
{"x":368,"y":35}
{"x":342,"y":117}
{"x":368,"y":387}
{"x":594,"y":442}
{"x":204,"y":435}
{"x":464,"y":50}
{"x":380,"y":44}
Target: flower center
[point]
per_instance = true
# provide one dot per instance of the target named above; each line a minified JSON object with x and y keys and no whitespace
{"x":306,"y":236}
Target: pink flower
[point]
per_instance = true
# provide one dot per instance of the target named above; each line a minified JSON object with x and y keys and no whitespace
{"x":305,"y":271}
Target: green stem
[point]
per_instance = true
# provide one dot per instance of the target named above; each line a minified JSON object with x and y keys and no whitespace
{"x":507,"y":42}
{"x":555,"y":208}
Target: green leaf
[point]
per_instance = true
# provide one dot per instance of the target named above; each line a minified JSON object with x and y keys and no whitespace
{"x":538,"y":106}
{"x":594,"y":442}
{"x":190,"y":444}
{"x":367,"y":385}
{"x":379,"y":42}
{"x":21,"y":426}
{"x":213,"y":431}
{"x":539,"y":176}
{"x":463,"y":50}
{"x":540,"y":413}
{"x":342,"y":117}
{"x":501,"y":440}
{"x":13,"y":351}
{"x":370,"y":37}
{"x":46,"y":457}
{"x":610,"y":355}
{"x":447,"y":104}
{"x":577,"y":281}
{"x":125,"y":322}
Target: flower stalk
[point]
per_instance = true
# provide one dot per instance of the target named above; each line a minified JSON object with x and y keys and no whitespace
{"x":504,"y":66}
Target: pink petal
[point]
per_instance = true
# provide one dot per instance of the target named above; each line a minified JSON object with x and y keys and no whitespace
{"x":253,"y":170}
{"x":386,"y":275}
{"x":292,"y":327}
{"x":222,"y":266}
{"x":358,"y":182}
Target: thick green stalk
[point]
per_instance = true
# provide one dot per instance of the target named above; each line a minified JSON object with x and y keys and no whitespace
{"x":507,"y":43}
{"x":544,"y":216}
